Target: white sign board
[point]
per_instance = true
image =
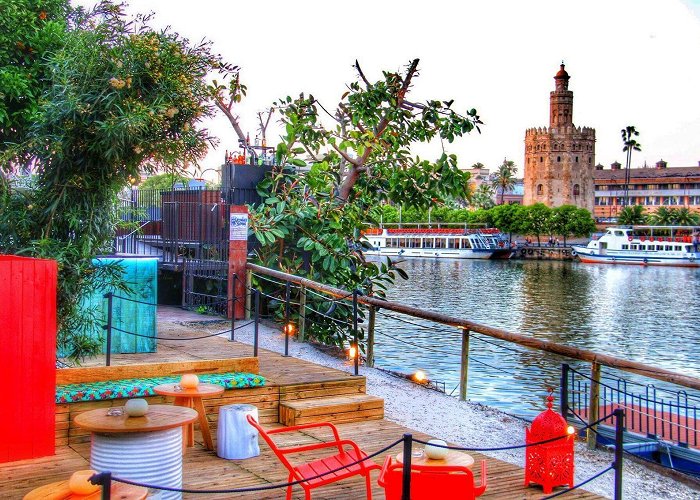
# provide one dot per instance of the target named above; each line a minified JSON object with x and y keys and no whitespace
{"x":238,"y":227}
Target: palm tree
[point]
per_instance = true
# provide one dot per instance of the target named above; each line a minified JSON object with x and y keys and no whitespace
{"x":482,"y":197}
{"x":663,"y":216}
{"x":629,"y":145}
{"x":630,"y":216}
{"x":685,"y":217}
{"x":504,"y":177}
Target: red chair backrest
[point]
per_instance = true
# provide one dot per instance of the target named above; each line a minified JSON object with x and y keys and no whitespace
{"x":428,"y":482}
{"x":270,"y":443}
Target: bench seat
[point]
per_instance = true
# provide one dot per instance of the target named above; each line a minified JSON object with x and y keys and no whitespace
{"x":143,"y":387}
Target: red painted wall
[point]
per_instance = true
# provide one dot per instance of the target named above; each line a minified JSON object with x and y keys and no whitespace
{"x":27,"y":357}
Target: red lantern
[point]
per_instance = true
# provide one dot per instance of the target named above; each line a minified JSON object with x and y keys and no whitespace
{"x":549,"y":464}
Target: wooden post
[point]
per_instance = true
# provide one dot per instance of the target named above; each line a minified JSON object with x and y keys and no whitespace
{"x":248,"y":292}
{"x":464,"y":366}
{"x":593,"y":404}
{"x":370,"y":336}
{"x":302,"y":312}
{"x":237,"y":256}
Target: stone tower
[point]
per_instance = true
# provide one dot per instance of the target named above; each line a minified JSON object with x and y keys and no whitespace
{"x":560,"y":159}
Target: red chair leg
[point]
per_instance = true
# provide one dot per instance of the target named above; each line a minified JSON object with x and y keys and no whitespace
{"x":289,"y":488}
{"x":368,"y":482}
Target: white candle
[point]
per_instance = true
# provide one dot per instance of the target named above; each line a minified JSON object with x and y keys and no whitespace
{"x":136,"y":407}
{"x":436,"y":452}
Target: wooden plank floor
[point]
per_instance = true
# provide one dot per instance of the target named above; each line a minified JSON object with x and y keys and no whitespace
{"x":204,"y":470}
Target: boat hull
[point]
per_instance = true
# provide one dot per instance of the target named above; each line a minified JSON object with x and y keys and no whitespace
{"x":432,"y":253}
{"x":589,"y":256}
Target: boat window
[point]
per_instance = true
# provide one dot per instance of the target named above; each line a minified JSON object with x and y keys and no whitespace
{"x":659,"y":247}
{"x":439,"y":243}
{"x":625,"y":247}
{"x":669,"y":248}
{"x":619,"y":233}
{"x":466,"y":243}
{"x":678,"y":248}
{"x":635,"y":247}
{"x":452,"y":243}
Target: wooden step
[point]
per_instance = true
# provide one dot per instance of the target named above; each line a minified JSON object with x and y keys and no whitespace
{"x":335,"y":409}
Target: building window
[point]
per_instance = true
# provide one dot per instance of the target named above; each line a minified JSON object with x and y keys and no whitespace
{"x":541,"y":159}
{"x":590,"y":160}
{"x":577,"y":190}
{"x":540,"y":189}
{"x":558,"y":158}
{"x":577,"y":159}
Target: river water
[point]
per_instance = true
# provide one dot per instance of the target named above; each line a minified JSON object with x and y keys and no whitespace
{"x":645,"y":314}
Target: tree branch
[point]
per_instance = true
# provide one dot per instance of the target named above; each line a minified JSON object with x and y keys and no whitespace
{"x":362,"y":75}
{"x":351,"y":179}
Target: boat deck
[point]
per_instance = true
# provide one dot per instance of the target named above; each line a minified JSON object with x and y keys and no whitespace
{"x":204,"y":470}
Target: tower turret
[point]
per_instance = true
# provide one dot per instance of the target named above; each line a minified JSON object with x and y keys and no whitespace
{"x":561,"y":100}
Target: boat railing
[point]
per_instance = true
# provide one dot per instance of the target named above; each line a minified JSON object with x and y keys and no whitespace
{"x":574,"y":393}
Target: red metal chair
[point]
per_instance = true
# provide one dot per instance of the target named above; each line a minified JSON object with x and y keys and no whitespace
{"x":348,"y":452}
{"x":432,"y":481}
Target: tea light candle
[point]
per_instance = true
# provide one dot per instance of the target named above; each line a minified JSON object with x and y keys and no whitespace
{"x":435,"y":452}
{"x":189,"y":381}
{"x":79,"y":482}
{"x":136,"y":407}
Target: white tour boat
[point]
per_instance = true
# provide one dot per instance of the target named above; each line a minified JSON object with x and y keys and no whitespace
{"x":642,"y":245}
{"x":455,"y":243}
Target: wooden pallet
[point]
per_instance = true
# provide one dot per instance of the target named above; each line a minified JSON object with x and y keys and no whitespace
{"x":336,"y":409}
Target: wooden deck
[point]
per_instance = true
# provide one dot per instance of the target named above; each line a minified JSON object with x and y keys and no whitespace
{"x":204,"y":470}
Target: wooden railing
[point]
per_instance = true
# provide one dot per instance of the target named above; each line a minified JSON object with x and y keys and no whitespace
{"x":465,"y":327}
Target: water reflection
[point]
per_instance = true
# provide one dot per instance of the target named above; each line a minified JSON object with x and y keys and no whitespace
{"x":646,"y":314}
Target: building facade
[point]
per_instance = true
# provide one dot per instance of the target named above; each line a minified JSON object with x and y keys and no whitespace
{"x":559,"y":159}
{"x":676,"y":187}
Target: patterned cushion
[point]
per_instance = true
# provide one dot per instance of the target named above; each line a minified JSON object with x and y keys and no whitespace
{"x":140,"y":387}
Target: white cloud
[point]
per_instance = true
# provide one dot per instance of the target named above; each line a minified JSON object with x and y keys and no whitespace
{"x":632,"y":62}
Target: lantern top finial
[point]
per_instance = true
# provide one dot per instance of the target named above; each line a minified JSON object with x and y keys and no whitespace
{"x":550,"y":398}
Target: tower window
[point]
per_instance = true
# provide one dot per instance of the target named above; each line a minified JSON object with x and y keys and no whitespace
{"x":590,"y":160}
{"x":577,"y":159}
{"x":540,"y":189}
{"x":558,"y":158}
{"x":541,"y":159}
{"x":577,"y":190}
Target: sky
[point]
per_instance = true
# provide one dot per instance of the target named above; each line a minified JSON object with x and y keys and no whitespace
{"x":631,"y":62}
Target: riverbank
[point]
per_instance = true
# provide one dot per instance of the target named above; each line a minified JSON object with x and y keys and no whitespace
{"x":468,"y":424}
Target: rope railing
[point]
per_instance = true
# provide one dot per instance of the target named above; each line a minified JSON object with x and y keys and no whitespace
{"x":515,"y":447}
{"x":100,"y":478}
{"x":581,"y":484}
{"x":105,"y":478}
{"x":238,"y":327}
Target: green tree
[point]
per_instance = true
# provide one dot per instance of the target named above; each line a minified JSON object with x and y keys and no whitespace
{"x":568,"y":220}
{"x":482,"y":197}
{"x":122,"y":98}
{"x":310,"y":225}
{"x":30,"y":30}
{"x":508,"y":218}
{"x":537,"y":220}
{"x":634,"y":214}
{"x":684,"y":217}
{"x":163,"y":182}
{"x":629,"y":144}
{"x":504,"y":177}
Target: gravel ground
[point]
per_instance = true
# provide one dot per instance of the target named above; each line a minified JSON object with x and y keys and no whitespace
{"x":471,"y":424}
